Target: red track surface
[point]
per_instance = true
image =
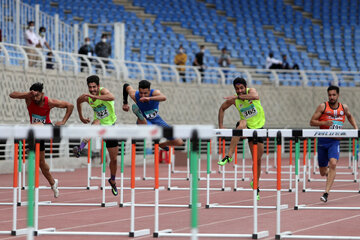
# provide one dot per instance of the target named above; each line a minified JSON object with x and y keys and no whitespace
{"x":214,"y":220}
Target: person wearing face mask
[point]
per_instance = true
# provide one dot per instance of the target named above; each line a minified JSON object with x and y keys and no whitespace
{"x":103,"y":49}
{"x":32,"y":40}
{"x":88,"y":50}
{"x":42,"y":38}
{"x":180,"y":59}
{"x":199,"y":61}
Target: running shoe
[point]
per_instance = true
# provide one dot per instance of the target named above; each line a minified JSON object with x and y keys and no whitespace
{"x":76,"y":151}
{"x":55,"y":188}
{"x":258,"y":190}
{"x":113,"y":187}
{"x":324,"y":197}
{"x":137,"y":112}
{"x":225,"y":160}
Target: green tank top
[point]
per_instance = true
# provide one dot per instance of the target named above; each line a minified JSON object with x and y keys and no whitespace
{"x":103,"y":110}
{"x":251,"y":111}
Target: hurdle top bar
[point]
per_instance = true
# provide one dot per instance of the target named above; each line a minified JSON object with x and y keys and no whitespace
{"x":315,"y":133}
{"x":156,"y":132}
{"x":105,"y":132}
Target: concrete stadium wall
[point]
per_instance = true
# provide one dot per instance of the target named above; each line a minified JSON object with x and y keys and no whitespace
{"x":285,"y":107}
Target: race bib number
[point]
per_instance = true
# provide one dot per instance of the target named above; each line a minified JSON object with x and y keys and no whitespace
{"x":337,"y":125}
{"x":249,"y":111}
{"x":38,"y":119}
{"x":151,"y":114}
{"x":101,"y":112}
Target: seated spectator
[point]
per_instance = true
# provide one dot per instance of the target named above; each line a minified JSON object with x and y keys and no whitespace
{"x":180,"y":60}
{"x":285,"y":65}
{"x":273,"y":63}
{"x":224,"y":59}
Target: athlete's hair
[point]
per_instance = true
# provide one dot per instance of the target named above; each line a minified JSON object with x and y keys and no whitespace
{"x":239,"y":80}
{"x":144,"y":84}
{"x":93,"y":79}
{"x":332,"y":87}
{"x":37,"y":87}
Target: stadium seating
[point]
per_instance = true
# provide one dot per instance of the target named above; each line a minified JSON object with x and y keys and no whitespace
{"x":332,"y":43}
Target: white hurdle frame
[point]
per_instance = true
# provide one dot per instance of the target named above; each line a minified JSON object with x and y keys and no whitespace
{"x":311,"y":133}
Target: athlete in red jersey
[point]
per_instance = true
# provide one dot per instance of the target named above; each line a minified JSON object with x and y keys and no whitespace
{"x":39,"y":107}
{"x":330,"y":115}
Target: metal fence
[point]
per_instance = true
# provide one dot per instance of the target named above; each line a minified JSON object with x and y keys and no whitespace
{"x":71,"y":63}
{"x":14,"y":18}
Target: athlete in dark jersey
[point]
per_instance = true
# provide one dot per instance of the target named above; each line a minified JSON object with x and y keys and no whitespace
{"x":330,"y":115}
{"x":147,"y":108}
{"x":39,"y":107}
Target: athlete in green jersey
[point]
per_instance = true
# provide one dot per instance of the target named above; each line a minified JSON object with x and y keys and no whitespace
{"x":102,"y":102}
{"x":252,"y":116}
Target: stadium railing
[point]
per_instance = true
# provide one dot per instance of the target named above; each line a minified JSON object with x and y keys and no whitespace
{"x":71,"y":63}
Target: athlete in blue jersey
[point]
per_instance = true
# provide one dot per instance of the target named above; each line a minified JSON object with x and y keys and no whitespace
{"x":147,"y":108}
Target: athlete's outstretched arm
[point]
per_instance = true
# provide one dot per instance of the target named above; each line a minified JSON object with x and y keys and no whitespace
{"x":156,"y":96}
{"x":251,"y":95}
{"x":222,"y":109}
{"x":61,"y":104}
{"x":315,"y":117}
{"x":79,"y":101}
{"x":105,"y":95}
{"x":128,"y":91}
{"x":350,"y":117}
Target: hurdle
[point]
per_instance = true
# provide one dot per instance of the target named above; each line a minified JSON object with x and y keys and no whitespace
{"x":46,"y":132}
{"x":242,"y":133}
{"x":308,"y":133}
{"x":196,"y":134}
{"x":311,"y":133}
{"x":17,"y":162}
{"x":352,"y":165}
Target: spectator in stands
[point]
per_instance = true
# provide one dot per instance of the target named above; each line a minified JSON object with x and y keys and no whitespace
{"x":273,"y":63}
{"x":180,"y":60}
{"x":42,"y":39}
{"x":32,"y":41}
{"x":285,"y":65}
{"x":224,"y":60}
{"x":199,"y":61}
{"x":49,"y":61}
{"x":85,"y":49}
{"x":103,"y":49}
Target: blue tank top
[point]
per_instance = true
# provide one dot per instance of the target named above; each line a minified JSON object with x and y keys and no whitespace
{"x":149,"y":109}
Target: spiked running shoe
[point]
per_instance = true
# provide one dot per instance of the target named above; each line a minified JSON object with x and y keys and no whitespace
{"x":258,"y":190}
{"x":225,"y":160}
{"x":137,"y":112}
{"x":55,"y":188}
{"x":76,"y":151}
{"x":324,"y":197}
{"x":113,"y":187}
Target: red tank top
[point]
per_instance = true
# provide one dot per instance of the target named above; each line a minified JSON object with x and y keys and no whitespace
{"x":39,"y":114}
{"x":337,"y":116}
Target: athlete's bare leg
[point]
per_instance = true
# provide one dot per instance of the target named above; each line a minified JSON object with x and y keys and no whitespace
{"x":235,"y":140}
{"x":330,"y":173}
